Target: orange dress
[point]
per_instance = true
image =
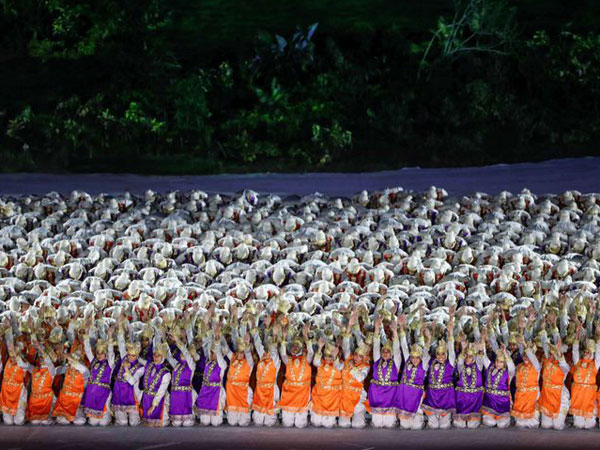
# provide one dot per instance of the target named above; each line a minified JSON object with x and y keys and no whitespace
{"x":583,"y":390}
{"x":236,"y":388}
{"x":352,"y":389}
{"x":12,"y":384}
{"x":553,"y":380}
{"x":327,"y":391}
{"x":295,"y":392}
{"x":264,"y":393}
{"x":69,"y":399}
{"x":528,"y":389}
{"x":40,"y":400}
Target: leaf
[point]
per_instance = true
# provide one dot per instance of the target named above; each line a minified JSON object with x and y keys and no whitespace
{"x":311,"y":30}
{"x":281,"y":42}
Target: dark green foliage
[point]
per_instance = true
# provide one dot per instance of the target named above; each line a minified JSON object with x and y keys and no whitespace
{"x":149,"y":86}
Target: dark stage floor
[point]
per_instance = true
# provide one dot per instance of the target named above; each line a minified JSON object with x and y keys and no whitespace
{"x":113,"y":438}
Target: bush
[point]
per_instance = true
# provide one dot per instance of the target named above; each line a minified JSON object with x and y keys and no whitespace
{"x":110,"y":92}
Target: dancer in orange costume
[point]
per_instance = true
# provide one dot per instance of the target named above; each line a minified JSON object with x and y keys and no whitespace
{"x":326,"y":394}
{"x":238,"y":394}
{"x":584,"y":389}
{"x":554,"y":399}
{"x":68,"y":407}
{"x":295,"y":393}
{"x":525,"y":409}
{"x":266,"y":392}
{"x":13,"y":397}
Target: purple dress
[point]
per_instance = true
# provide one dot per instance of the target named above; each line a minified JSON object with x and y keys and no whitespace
{"x":439,"y":397}
{"x":210,"y":393}
{"x":98,"y":389}
{"x":496,"y":400}
{"x":469,"y":393}
{"x":410,"y":392}
{"x":383,"y":387}
{"x":123,"y":398}
{"x":182,"y":403}
{"x":151,"y":382}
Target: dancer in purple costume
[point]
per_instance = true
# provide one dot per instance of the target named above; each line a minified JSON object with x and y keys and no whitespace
{"x":439,"y":403}
{"x":412,"y":383}
{"x":383,"y":387}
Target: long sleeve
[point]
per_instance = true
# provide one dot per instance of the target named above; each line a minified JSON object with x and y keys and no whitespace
{"x":426,"y":357}
{"x":71,"y":332}
{"x":510,"y":365}
{"x":479,"y":361}
{"x":221,"y":361}
{"x":275,"y":358}
{"x":486,"y":360}
{"x":404,"y":346}
{"x":164,"y":385}
{"x":169,"y":357}
{"x":360,"y":374}
{"x":476,"y":331}
{"x":49,"y":364}
{"x":396,"y":352}
{"x":24,"y":365}
{"x":121,"y":343}
{"x":346,"y":346}
{"x":189,"y":332}
{"x":545,"y":344}
{"x":258,"y":345}
{"x":505,"y":332}
{"x":249,"y":359}
{"x":88,"y":349}
{"x":317,"y":359}
{"x":492,"y":339}
{"x":575,"y":352}
{"x":597,"y":355}
{"x":283,"y":353}
{"x":451,"y":352}
{"x":134,"y":378}
{"x":111,"y":356}
{"x":81,"y":369}
{"x":564,"y":366}
{"x":533,"y":359}
{"x":188,"y":358}
{"x":310,"y":352}
{"x":376,"y":348}
{"x":226,"y":350}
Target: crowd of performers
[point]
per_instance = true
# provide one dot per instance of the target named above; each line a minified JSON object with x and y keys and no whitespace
{"x":388,"y":309}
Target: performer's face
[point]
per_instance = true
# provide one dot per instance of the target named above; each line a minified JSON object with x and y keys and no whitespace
{"x":157,"y":358}
{"x":415,"y":360}
{"x":386,"y":354}
{"x":499,"y":363}
{"x":131,"y":358}
{"x":358,"y":359}
{"x":587,"y":355}
{"x":100,"y":356}
{"x":469,"y":360}
{"x":441,"y":357}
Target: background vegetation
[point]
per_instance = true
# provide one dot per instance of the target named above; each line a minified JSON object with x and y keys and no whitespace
{"x":174,"y":86}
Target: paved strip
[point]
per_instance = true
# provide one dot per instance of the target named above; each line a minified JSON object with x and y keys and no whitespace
{"x":553,"y":176}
